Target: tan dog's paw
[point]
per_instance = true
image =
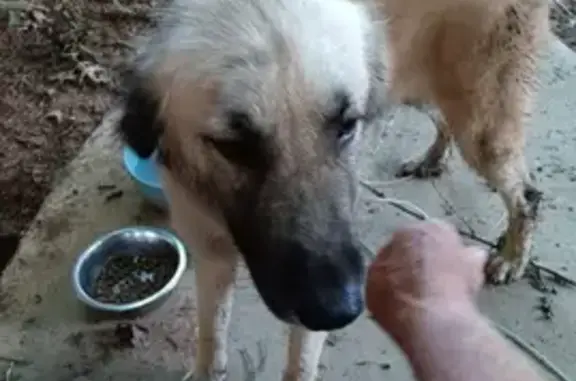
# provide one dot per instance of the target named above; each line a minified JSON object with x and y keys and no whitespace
{"x":421,"y":169}
{"x":501,"y":270}
{"x":299,"y":377}
{"x":506,"y":264}
{"x":218,"y":375}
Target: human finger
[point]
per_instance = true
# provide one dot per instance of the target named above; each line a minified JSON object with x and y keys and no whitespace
{"x":477,"y":258}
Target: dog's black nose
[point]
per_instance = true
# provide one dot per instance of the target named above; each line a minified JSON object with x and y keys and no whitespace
{"x":331,"y":290}
{"x":331,"y":310}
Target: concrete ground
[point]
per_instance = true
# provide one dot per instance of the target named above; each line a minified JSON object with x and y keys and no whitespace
{"x":44,"y":333}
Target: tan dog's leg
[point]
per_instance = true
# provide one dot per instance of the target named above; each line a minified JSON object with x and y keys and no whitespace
{"x":509,"y":176}
{"x":493,"y":145}
{"x":215,"y":261}
{"x":507,"y":172}
{"x":522,"y":200}
{"x":430,"y":165}
{"x":215,"y":277}
{"x":304,"y":351}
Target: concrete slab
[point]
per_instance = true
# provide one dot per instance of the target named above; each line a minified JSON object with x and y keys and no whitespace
{"x":44,"y":331}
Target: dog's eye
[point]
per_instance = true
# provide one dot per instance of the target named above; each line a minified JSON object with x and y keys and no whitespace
{"x":343,"y":120}
{"x":239,"y":122}
{"x":347,"y":128}
{"x":245,"y":145}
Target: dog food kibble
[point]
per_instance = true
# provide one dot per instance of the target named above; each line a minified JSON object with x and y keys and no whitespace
{"x":127,"y":278}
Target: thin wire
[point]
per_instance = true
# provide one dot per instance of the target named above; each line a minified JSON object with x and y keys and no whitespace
{"x":388,"y":182}
{"x":420,"y":215}
{"x":536,"y":355}
{"x":404,"y":203}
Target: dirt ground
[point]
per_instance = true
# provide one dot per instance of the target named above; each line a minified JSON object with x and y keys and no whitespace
{"x":59,"y":65}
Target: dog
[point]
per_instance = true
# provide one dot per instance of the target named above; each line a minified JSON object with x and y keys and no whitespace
{"x":255,"y":108}
{"x":475,"y":61}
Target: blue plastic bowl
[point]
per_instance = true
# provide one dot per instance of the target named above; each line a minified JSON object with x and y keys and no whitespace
{"x":145,"y":173}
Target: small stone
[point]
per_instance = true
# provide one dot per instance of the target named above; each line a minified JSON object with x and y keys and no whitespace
{"x":55,"y":116}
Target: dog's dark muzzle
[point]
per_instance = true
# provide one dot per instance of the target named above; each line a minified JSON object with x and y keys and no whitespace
{"x":298,"y":243}
{"x":321,"y":291}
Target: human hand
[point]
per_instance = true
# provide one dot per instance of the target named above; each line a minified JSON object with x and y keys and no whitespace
{"x":424,"y":266}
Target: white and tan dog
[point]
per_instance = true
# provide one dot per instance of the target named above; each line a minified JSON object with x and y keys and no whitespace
{"x":255,"y":106}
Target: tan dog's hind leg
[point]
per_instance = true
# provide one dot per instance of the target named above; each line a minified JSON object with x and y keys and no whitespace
{"x":493,"y":144}
{"x":499,"y":158}
{"x":304,"y":351}
{"x":488,"y":123}
{"x":430,"y":165}
{"x":507,"y":173}
{"x":522,"y":200}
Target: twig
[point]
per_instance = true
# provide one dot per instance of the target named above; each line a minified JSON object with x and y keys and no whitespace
{"x":379,"y":194}
{"x":448,"y":205}
{"x":188,"y":375}
{"x":8,"y":373}
{"x":14,"y":360}
{"x":563,"y":7}
{"x":542,"y":267}
{"x":125,"y":44}
{"x":535,"y":354}
{"x":121,"y":11}
{"x":251,"y":369}
{"x":94,"y":56}
{"x":119,"y":6}
{"x":262,"y":355}
{"x":172,"y":342}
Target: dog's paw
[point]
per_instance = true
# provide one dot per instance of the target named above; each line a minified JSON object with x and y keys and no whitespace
{"x":300,"y":376}
{"x":422,"y":169}
{"x":219,"y":375}
{"x":503,"y":271}
{"x":505,"y":266}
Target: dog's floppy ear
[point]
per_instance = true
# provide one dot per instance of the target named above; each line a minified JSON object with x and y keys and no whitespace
{"x":140,"y":126}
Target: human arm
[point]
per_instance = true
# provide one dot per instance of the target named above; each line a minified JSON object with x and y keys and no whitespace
{"x":421,"y":290}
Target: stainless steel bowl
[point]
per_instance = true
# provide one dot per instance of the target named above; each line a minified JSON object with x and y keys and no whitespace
{"x":137,"y":240}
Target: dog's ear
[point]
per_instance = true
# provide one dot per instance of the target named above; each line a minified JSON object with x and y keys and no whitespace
{"x":140,"y":126}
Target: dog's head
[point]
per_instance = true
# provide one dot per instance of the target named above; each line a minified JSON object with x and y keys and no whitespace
{"x":255,"y":110}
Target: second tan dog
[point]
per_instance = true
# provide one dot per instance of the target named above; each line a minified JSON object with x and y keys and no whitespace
{"x":476,"y":60}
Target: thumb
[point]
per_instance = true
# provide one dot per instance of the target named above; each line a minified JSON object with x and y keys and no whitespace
{"x":478,"y":255}
{"x":477,"y":258}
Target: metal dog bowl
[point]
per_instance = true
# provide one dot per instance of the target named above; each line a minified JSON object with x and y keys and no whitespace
{"x":130,"y":241}
{"x":145,"y":173}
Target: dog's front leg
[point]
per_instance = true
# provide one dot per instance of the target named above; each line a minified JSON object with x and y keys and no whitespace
{"x":215,"y":259}
{"x":215,"y":275}
{"x":304,"y":351}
